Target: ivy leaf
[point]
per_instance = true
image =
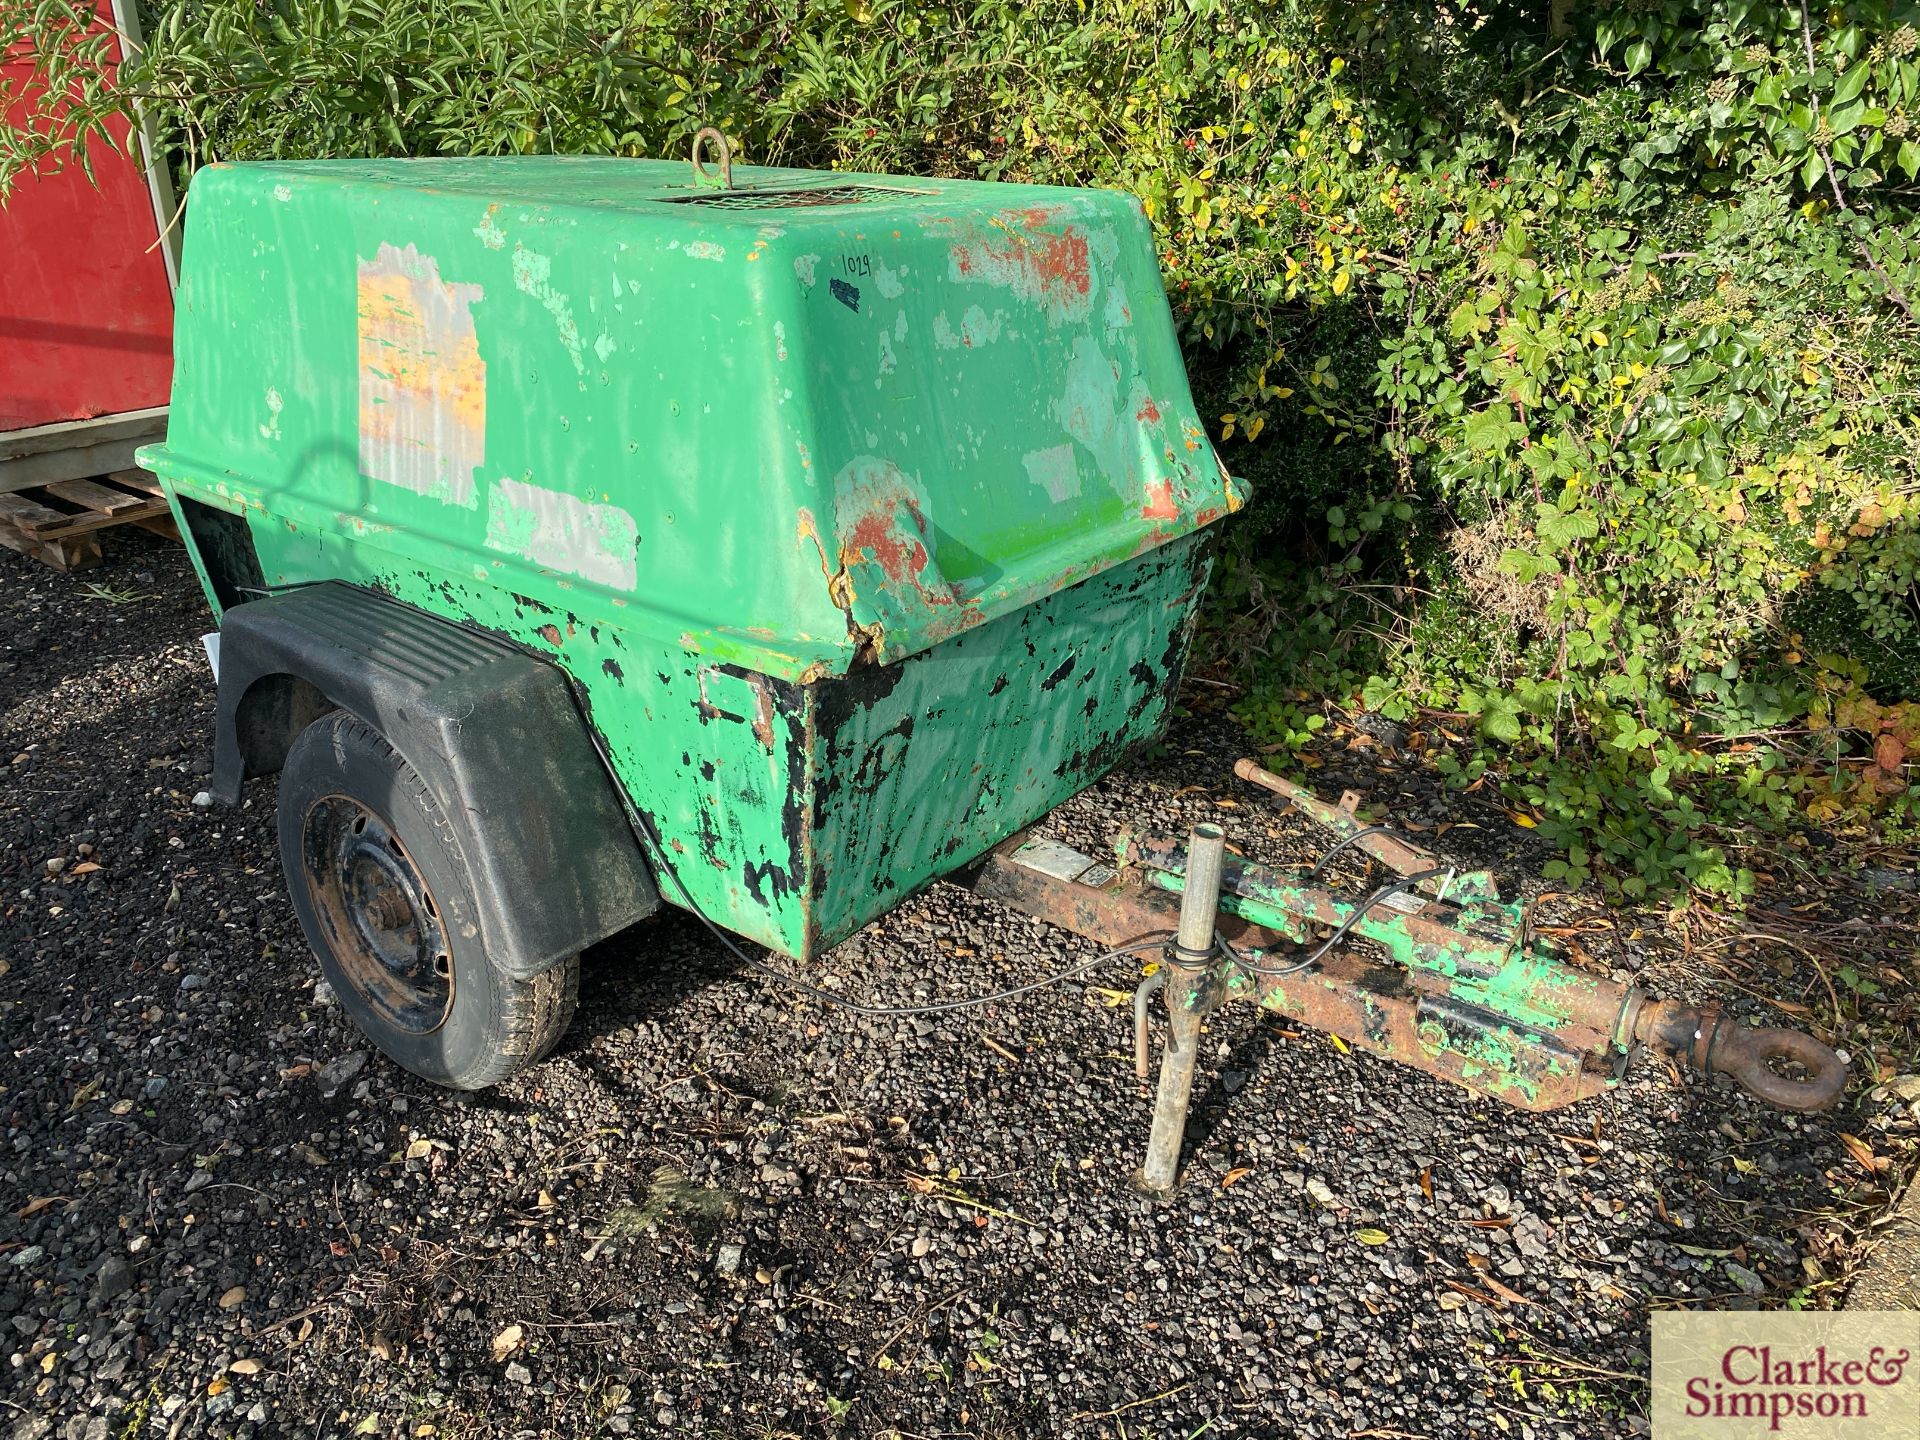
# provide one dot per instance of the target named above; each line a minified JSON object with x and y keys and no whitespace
{"x":1909,"y":158}
{"x":1811,"y":172}
{"x":1852,"y":82}
{"x":1639,"y":56}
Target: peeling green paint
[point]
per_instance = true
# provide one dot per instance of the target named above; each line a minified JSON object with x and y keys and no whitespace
{"x":1507,"y":1017}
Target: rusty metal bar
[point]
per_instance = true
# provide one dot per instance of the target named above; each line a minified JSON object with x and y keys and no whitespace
{"x":1191,"y":994}
{"x":1408,"y":1017}
{"x":1390,"y":850}
{"x":1162,"y":1165}
{"x":1119,"y":909}
{"x":1393,"y":851}
{"x":1507,"y":1002}
{"x":1200,"y":897}
{"x":1464,"y":992}
{"x":1143,"y":994}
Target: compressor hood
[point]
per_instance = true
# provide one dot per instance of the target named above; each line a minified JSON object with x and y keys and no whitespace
{"x":810,"y":422}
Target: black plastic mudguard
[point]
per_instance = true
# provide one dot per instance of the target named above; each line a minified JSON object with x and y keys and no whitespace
{"x":493,"y":731}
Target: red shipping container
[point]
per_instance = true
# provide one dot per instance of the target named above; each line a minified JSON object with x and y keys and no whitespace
{"x":86,"y":306}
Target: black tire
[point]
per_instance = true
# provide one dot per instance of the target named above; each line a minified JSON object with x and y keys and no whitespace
{"x":379,"y":880}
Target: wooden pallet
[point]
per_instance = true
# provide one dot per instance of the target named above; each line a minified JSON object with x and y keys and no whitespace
{"x":59,"y":524}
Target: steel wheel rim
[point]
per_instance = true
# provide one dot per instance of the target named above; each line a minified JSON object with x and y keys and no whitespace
{"x":377,"y":914}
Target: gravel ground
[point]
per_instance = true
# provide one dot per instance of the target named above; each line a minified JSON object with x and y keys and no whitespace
{"x":720,"y":1211}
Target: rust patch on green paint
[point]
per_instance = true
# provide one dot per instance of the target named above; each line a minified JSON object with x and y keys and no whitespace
{"x":1031,"y":253}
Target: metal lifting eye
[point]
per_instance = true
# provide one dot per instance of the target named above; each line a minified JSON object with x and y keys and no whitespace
{"x":707,"y":137}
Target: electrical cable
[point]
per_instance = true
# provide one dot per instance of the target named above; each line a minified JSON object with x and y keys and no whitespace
{"x":650,"y":845}
{"x":1378,"y":897}
{"x":1356,"y":836}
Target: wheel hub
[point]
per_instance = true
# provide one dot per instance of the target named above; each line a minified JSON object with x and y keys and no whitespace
{"x":382,"y":924}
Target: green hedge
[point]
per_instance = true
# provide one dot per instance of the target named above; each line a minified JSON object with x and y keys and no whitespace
{"x":1572,"y":345}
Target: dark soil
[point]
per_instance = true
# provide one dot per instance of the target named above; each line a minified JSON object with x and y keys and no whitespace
{"x":721,"y":1210}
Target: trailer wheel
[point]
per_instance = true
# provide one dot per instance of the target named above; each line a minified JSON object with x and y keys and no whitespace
{"x":377,"y":875}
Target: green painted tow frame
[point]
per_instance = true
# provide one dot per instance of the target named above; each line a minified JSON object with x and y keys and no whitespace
{"x":1451,"y":980}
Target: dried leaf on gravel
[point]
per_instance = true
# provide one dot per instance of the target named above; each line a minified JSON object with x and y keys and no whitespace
{"x":1426,"y":1182}
{"x":247,"y":1366}
{"x":1505,"y":1292}
{"x":419,"y":1148}
{"x":233,"y":1297}
{"x":219,"y":1386}
{"x":1371,"y":1236}
{"x":1492,"y":1302}
{"x":1863,"y":1153}
{"x":506,"y":1342}
{"x":38,"y":1203}
{"x":1235,"y":1175}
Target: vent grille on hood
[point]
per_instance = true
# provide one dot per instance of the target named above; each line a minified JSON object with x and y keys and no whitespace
{"x":790,"y":199}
